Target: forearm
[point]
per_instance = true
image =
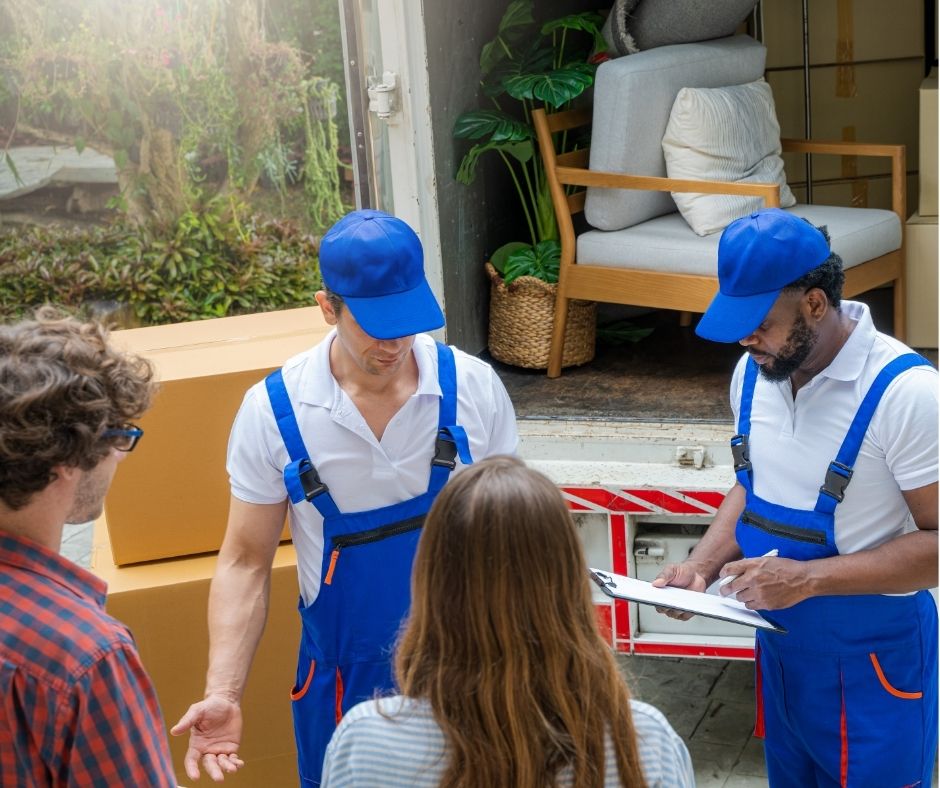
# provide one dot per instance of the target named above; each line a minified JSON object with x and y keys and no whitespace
{"x":718,"y":546}
{"x":905,"y":564}
{"x":238,"y":610}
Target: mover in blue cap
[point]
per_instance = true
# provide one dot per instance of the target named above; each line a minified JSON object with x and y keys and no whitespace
{"x":849,"y":696}
{"x":353,"y":440}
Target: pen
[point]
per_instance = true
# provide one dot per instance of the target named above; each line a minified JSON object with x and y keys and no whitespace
{"x":725,"y":580}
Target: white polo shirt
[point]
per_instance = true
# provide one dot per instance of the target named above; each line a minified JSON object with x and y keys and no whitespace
{"x":792,"y":441}
{"x":362,"y":472}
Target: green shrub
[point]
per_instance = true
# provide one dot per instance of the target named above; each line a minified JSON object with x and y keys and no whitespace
{"x":211,"y":266}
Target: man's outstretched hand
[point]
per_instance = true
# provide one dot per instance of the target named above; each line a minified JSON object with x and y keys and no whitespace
{"x":215,"y":731}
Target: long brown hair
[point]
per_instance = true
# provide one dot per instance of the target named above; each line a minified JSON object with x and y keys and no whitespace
{"x":502,"y":638}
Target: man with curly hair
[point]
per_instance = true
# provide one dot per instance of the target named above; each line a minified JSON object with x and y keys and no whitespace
{"x":76,"y":706}
{"x":831,"y":527}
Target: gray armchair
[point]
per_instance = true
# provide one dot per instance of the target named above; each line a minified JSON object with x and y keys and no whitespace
{"x":637,"y":248}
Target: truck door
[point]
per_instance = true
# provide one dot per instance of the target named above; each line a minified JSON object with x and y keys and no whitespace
{"x":390,"y":122}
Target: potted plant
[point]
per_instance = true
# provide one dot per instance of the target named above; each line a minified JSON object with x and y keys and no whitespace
{"x":524,"y":66}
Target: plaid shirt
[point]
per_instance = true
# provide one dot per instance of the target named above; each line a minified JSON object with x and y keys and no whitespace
{"x":76,"y":707}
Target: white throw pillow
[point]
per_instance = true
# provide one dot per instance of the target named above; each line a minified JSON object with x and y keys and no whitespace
{"x":724,"y":134}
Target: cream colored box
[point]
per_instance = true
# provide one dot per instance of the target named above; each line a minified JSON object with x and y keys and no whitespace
{"x":921,"y":241}
{"x":927,"y":205}
{"x":170,"y":496}
{"x":164,"y":605}
{"x":842,"y":31}
{"x":869,"y":102}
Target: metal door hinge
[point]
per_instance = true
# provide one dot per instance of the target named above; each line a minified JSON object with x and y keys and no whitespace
{"x":383,"y":95}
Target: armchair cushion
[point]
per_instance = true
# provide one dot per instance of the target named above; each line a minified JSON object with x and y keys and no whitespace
{"x":724,"y":134}
{"x":633,"y":97}
{"x":668,"y":244}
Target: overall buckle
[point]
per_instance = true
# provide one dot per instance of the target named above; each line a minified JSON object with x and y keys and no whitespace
{"x":445,"y":453}
{"x":310,"y":481}
{"x":838,"y":477}
{"x":740,"y":453}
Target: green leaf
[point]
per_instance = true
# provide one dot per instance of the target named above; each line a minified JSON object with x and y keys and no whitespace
{"x":536,"y":58}
{"x":521,"y":151}
{"x":498,"y":126}
{"x":120,"y":158}
{"x":553,"y":88}
{"x":513,"y":28}
{"x":622,"y":331}
{"x":499,"y":257}
{"x":541,"y":261}
{"x":466,"y":173}
{"x":79,"y":144}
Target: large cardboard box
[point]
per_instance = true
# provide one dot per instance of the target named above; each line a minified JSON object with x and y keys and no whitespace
{"x":877,"y":105}
{"x":170,"y":496}
{"x":164,"y":605}
{"x":921,"y":284}
{"x":842,"y":31}
{"x":927,"y":205}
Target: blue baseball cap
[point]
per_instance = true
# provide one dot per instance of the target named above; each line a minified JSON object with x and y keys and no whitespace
{"x":758,"y":256}
{"x":375,"y":263}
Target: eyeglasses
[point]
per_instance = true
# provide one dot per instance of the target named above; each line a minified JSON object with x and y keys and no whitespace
{"x":124,"y":438}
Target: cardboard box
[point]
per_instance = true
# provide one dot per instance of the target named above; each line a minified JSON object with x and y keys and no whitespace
{"x":927,"y":204}
{"x":878,"y":105}
{"x":921,"y":281}
{"x":842,"y":31}
{"x":170,"y":496}
{"x":874,"y":192}
{"x":164,"y":604}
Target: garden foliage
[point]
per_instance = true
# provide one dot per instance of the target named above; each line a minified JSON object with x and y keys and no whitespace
{"x":208,"y":266}
{"x":192,"y":98}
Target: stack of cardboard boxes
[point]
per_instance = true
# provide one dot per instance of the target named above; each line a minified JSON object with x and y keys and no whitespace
{"x":866,"y":63}
{"x":866,"y":84}
{"x":165,"y":519}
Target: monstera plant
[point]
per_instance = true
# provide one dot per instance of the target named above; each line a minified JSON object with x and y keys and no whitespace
{"x":529,"y":65}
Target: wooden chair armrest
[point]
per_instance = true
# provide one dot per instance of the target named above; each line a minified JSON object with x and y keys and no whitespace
{"x":897,"y":154}
{"x":577,"y":176}
{"x":840,"y":148}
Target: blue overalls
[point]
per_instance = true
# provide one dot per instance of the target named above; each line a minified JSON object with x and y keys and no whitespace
{"x":349,"y":630}
{"x":849,"y":696}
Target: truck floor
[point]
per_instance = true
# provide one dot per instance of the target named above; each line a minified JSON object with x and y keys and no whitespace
{"x":669,"y":375}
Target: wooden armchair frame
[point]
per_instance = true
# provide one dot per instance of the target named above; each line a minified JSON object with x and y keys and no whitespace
{"x":665,"y":290}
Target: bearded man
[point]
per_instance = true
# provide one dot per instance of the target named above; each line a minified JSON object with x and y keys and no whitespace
{"x":831,"y":528}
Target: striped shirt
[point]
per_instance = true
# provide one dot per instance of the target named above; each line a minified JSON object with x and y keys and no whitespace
{"x":76,"y":707}
{"x":368,"y":749}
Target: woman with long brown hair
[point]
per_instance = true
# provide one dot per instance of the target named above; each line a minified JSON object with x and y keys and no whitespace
{"x":504,"y":677}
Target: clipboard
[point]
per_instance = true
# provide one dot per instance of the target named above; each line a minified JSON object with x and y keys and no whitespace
{"x":697,"y":602}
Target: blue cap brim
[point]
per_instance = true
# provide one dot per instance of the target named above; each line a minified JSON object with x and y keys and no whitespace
{"x":732,"y":318}
{"x":397,"y":314}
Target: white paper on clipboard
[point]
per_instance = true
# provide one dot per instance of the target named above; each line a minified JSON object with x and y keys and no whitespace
{"x":710,"y":605}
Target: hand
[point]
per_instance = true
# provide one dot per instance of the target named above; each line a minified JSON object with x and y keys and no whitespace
{"x":681,"y":576}
{"x":767,"y":583}
{"x":215,"y":726}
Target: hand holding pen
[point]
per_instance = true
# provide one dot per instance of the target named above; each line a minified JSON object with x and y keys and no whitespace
{"x":728,"y":578}
{"x":767,"y":582}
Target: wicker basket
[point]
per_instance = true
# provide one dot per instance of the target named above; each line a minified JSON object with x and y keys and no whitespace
{"x":521,"y":317}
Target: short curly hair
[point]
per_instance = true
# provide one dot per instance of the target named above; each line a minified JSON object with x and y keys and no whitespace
{"x":828,"y":276}
{"x":61,"y":386}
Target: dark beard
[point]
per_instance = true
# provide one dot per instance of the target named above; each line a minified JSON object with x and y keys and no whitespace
{"x":800,"y":343}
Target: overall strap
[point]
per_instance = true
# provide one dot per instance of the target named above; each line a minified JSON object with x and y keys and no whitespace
{"x":451,"y":439}
{"x":840,"y":470}
{"x":740,"y":449}
{"x":300,"y":476}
